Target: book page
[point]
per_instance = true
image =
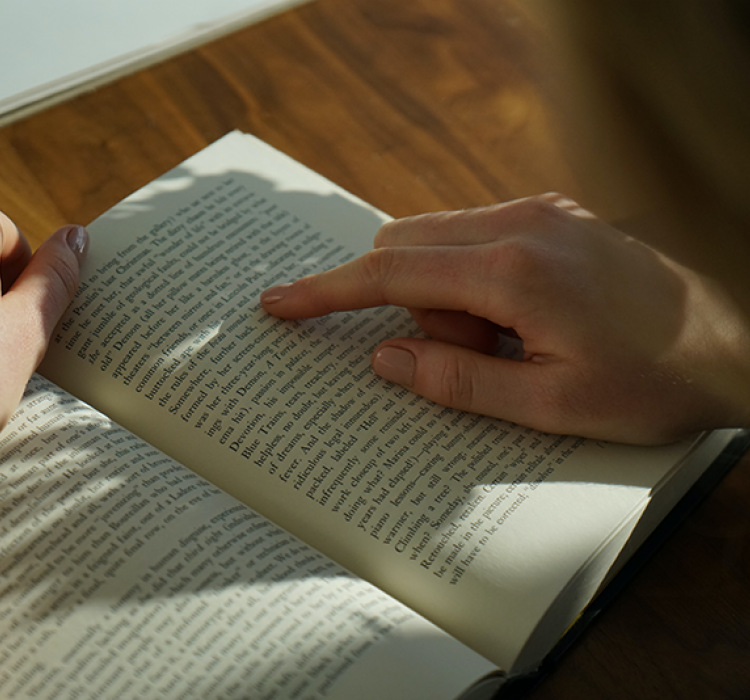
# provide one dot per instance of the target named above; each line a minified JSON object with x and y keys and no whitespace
{"x":475,"y":523}
{"x":124,"y":575}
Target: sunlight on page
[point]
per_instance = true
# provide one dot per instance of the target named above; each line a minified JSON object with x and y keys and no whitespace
{"x":572,"y":515}
{"x":184,"y":349}
{"x":535,"y":542}
{"x":130,"y":574}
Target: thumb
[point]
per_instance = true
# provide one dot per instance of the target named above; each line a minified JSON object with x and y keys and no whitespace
{"x":462,"y":378}
{"x":39,"y":296}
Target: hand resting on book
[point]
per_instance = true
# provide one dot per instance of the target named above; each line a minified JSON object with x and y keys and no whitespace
{"x":619,"y":342}
{"x":35,"y":292}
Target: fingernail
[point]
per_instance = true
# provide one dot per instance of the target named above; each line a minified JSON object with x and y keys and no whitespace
{"x":274,"y":294}
{"x":77,"y":239}
{"x":396,"y":365}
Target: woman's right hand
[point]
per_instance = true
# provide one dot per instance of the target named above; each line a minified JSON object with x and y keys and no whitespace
{"x":619,"y":342}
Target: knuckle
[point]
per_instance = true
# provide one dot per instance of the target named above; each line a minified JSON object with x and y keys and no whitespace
{"x":516,"y":258}
{"x":538,"y":214}
{"x":378,"y":268}
{"x":389,"y":233}
{"x":421,"y":227}
{"x":545,"y":241}
{"x":557,"y":199}
{"x":545,"y":209}
{"x":457,"y":384}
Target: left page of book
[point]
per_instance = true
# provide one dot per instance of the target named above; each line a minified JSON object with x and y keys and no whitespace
{"x":125,"y":575}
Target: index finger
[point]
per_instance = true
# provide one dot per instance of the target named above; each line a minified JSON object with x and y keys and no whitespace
{"x":440,"y":277}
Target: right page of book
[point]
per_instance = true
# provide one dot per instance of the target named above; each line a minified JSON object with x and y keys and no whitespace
{"x":478,"y":524}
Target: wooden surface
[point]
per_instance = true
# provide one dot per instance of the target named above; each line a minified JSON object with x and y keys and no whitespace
{"x":413,"y":106}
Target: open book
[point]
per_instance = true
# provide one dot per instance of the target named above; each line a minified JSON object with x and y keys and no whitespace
{"x":247,"y":511}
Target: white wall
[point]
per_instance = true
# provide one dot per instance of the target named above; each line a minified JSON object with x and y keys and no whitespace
{"x":51,"y":48}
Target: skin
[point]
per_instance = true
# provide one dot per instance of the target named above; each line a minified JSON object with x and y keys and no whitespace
{"x":36,"y":290}
{"x":620,"y":342}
